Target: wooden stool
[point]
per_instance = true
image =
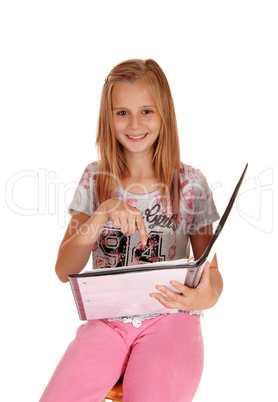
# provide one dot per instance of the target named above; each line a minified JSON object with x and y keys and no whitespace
{"x":116,"y":393}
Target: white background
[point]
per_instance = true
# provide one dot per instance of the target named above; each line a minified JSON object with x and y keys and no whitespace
{"x":220,"y":58}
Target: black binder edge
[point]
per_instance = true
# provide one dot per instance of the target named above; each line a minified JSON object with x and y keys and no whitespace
{"x":223,"y":219}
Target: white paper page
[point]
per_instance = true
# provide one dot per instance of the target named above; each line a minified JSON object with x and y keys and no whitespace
{"x":126,"y":294}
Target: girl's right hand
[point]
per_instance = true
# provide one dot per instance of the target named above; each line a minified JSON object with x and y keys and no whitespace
{"x":125,"y":217}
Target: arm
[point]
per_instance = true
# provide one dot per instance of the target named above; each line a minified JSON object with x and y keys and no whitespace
{"x":83,"y":231}
{"x":77,"y":244}
{"x":199,"y":241}
{"x":207,"y":293}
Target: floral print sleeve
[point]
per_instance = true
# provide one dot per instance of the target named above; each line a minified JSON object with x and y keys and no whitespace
{"x":197,"y":199}
{"x":85,"y":199}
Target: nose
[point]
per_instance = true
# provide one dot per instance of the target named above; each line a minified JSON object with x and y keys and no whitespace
{"x":135,"y":122}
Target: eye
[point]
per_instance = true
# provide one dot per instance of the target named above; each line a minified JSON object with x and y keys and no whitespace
{"x":147,"y":111}
{"x":122,"y":113}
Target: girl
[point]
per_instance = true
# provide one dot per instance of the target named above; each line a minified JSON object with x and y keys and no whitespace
{"x":137,"y":204}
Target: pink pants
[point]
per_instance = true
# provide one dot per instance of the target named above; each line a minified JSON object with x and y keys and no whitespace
{"x":162,"y":361}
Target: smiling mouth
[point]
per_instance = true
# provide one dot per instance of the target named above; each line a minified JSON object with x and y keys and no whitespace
{"x":136,"y":137}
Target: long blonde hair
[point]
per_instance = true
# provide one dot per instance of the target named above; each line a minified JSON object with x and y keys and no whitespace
{"x":166,"y":157}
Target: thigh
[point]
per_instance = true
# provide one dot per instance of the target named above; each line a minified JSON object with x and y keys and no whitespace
{"x":166,"y":361}
{"x":91,"y":365}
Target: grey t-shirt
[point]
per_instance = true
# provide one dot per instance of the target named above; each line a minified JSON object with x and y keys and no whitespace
{"x":165,"y":241}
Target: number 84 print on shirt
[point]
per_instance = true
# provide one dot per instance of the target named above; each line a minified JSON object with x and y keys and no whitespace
{"x":116,"y":248}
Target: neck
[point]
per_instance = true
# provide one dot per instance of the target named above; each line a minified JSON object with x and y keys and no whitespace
{"x":139,"y":166}
{"x":140,"y":178}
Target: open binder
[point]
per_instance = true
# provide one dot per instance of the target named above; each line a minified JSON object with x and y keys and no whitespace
{"x":124,"y":292}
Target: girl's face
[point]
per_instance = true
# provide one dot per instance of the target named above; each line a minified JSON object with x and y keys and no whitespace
{"x":136,"y":119}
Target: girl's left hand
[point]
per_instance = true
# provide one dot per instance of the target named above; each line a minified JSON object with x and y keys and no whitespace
{"x":201,"y":298}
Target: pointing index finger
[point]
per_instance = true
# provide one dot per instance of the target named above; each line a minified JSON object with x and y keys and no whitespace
{"x":140,"y":224}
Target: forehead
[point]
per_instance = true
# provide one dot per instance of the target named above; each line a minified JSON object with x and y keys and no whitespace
{"x":131,"y":94}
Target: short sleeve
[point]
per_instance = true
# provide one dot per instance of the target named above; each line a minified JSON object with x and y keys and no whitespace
{"x":85,"y":198}
{"x":198,"y":205}
{"x":204,"y":211}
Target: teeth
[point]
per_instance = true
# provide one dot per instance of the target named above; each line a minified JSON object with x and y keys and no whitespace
{"x":140,"y":136}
